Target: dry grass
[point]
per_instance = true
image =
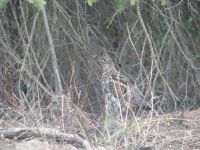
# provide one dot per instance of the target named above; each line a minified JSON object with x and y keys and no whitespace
{"x":50,"y":78}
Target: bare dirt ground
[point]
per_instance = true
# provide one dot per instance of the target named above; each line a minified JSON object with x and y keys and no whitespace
{"x":173,"y":131}
{"x":169,"y":132}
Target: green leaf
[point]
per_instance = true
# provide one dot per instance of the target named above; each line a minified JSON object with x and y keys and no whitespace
{"x":163,"y":2}
{"x":3,"y":3}
{"x":39,"y":4}
{"x":120,"y":5}
{"x":133,"y":2}
{"x":91,"y":2}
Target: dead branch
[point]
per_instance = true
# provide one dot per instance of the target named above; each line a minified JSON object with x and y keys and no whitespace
{"x":22,"y":133}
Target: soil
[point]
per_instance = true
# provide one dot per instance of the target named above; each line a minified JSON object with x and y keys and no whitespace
{"x":170,"y":132}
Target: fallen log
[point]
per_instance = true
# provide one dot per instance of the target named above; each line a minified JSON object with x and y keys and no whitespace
{"x":29,"y":133}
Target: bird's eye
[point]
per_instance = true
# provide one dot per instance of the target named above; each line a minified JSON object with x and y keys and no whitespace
{"x":104,"y":59}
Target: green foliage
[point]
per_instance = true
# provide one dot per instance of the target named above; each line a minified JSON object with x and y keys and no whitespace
{"x":39,"y":4}
{"x":132,"y":2}
{"x":3,"y":3}
{"x":120,"y":5}
{"x":91,"y":2}
{"x":163,"y":2}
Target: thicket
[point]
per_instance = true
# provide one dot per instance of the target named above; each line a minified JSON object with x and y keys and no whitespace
{"x":46,"y":56}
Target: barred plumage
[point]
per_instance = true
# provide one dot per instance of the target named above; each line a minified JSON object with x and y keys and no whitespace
{"x":120,"y":94}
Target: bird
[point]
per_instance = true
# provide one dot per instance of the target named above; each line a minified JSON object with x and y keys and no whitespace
{"x":119,"y":92}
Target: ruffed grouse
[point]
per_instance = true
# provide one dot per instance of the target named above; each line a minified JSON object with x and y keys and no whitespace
{"x":120,"y":94}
